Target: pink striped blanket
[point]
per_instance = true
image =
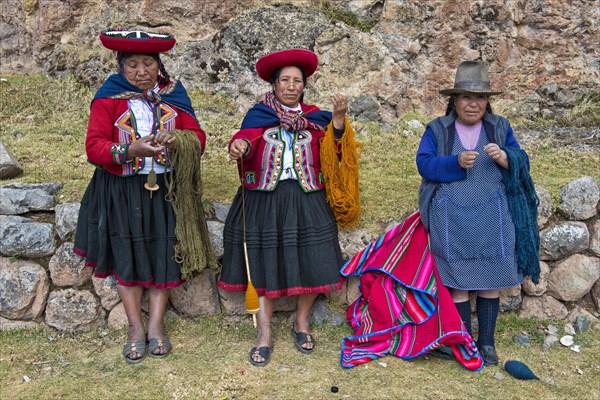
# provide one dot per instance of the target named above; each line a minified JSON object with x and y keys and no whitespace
{"x":403,"y":309}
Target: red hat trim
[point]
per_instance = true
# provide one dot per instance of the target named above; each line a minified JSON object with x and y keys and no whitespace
{"x":137,"y":41}
{"x":270,"y":63}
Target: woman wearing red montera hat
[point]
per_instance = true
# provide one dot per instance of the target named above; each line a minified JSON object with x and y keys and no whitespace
{"x":288,"y":152}
{"x":141,"y":128}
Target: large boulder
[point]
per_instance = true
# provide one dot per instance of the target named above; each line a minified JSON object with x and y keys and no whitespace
{"x":543,"y":307}
{"x":9,"y":166}
{"x":563,"y":239}
{"x":26,"y":237}
{"x":595,"y":238}
{"x":71,"y":310}
{"x":24,"y":287}
{"x":215,"y":233}
{"x":67,"y":268}
{"x":510,"y":298}
{"x":66,"y":216}
{"x":197,"y":296}
{"x":578,"y":198}
{"x":537,"y":290}
{"x":545,"y":206}
{"x":572,"y":278}
{"x":107,"y":290}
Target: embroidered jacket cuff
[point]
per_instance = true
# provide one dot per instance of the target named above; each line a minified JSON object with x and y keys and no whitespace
{"x":119,"y":153}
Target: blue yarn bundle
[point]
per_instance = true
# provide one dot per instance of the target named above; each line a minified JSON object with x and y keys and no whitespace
{"x":522,"y":203}
{"x":519,"y":370}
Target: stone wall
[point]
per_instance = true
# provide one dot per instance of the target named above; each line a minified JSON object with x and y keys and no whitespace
{"x":544,"y":55}
{"x":43,"y":282}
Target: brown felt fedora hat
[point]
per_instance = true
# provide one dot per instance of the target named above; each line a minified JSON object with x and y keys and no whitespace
{"x":471,"y":77}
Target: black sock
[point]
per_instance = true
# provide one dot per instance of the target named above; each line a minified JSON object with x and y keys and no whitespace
{"x":464,"y":310}
{"x":487,"y":313}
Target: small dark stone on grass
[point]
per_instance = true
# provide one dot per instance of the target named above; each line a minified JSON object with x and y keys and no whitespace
{"x":334,"y":389}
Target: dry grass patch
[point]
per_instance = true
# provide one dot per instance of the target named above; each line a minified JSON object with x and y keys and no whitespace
{"x":210,"y":361}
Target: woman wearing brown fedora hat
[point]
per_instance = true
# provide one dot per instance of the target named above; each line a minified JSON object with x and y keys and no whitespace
{"x":281,"y":213}
{"x":142,"y":127}
{"x":462,"y":159}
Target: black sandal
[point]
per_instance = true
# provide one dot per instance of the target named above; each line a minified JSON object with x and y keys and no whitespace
{"x":302,"y":338}
{"x":264,"y":352}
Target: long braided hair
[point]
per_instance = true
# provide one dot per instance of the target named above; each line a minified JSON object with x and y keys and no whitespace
{"x":163,"y":75}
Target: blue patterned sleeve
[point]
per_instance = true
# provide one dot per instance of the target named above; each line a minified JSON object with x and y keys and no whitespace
{"x":434,"y":168}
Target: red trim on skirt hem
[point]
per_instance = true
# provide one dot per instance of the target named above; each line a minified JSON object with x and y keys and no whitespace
{"x":122,"y":282}
{"x":273,"y":294}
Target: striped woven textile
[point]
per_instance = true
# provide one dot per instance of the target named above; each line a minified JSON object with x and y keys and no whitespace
{"x":403,"y":309}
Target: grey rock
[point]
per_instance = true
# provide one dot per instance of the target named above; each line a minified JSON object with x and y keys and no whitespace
{"x":10,"y":324}
{"x":9,"y":165}
{"x":542,"y":286}
{"x":543,"y":307}
{"x":71,"y":310}
{"x":596,"y":294}
{"x":18,"y":201}
{"x":221,"y":211}
{"x":510,"y":299}
{"x":365,"y":107}
{"x":67,"y":268}
{"x":66,"y":219}
{"x":24,"y":287}
{"x":215,"y":233}
{"x":572,"y":278}
{"x":581,"y":319}
{"x":563,"y":239}
{"x":553,"y":330}
{"x":353,"y":241}
{"x":25,"y":237}
{"x":545,"y":207}
{"x":107,"y":290}
{"x":415,"y":124}
{"x":321,"y":314}
{"x":50,"y":188}
{"x":197,"y":296}
{"x":522,"y":340}
{"x":578,"y":198}
{"x":550,"y":341}
{"x":582,"y":323}
{"x":117,"y":318}
{"x":569,"y":329}
{"x":595,"y":238}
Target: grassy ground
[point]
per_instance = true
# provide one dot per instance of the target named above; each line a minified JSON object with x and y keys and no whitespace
{"x":209,"y":361}
{"x":44,"y":123}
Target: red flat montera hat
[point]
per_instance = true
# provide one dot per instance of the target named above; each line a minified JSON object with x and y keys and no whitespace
{"x":137,"y":41}
{"x":270,"y":63}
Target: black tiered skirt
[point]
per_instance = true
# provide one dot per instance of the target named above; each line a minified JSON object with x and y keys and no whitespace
{"x":292,"y":241}
{"x":123,"y":232}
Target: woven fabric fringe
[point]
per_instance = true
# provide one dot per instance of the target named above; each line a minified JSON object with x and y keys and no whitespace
{"x":522,"y":203}
{"x":339,"y":163}
{"x":193,"y":249}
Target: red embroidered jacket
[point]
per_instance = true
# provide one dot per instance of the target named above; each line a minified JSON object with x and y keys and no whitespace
{"x":112,"y":123}
{"x":263,"y":165}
